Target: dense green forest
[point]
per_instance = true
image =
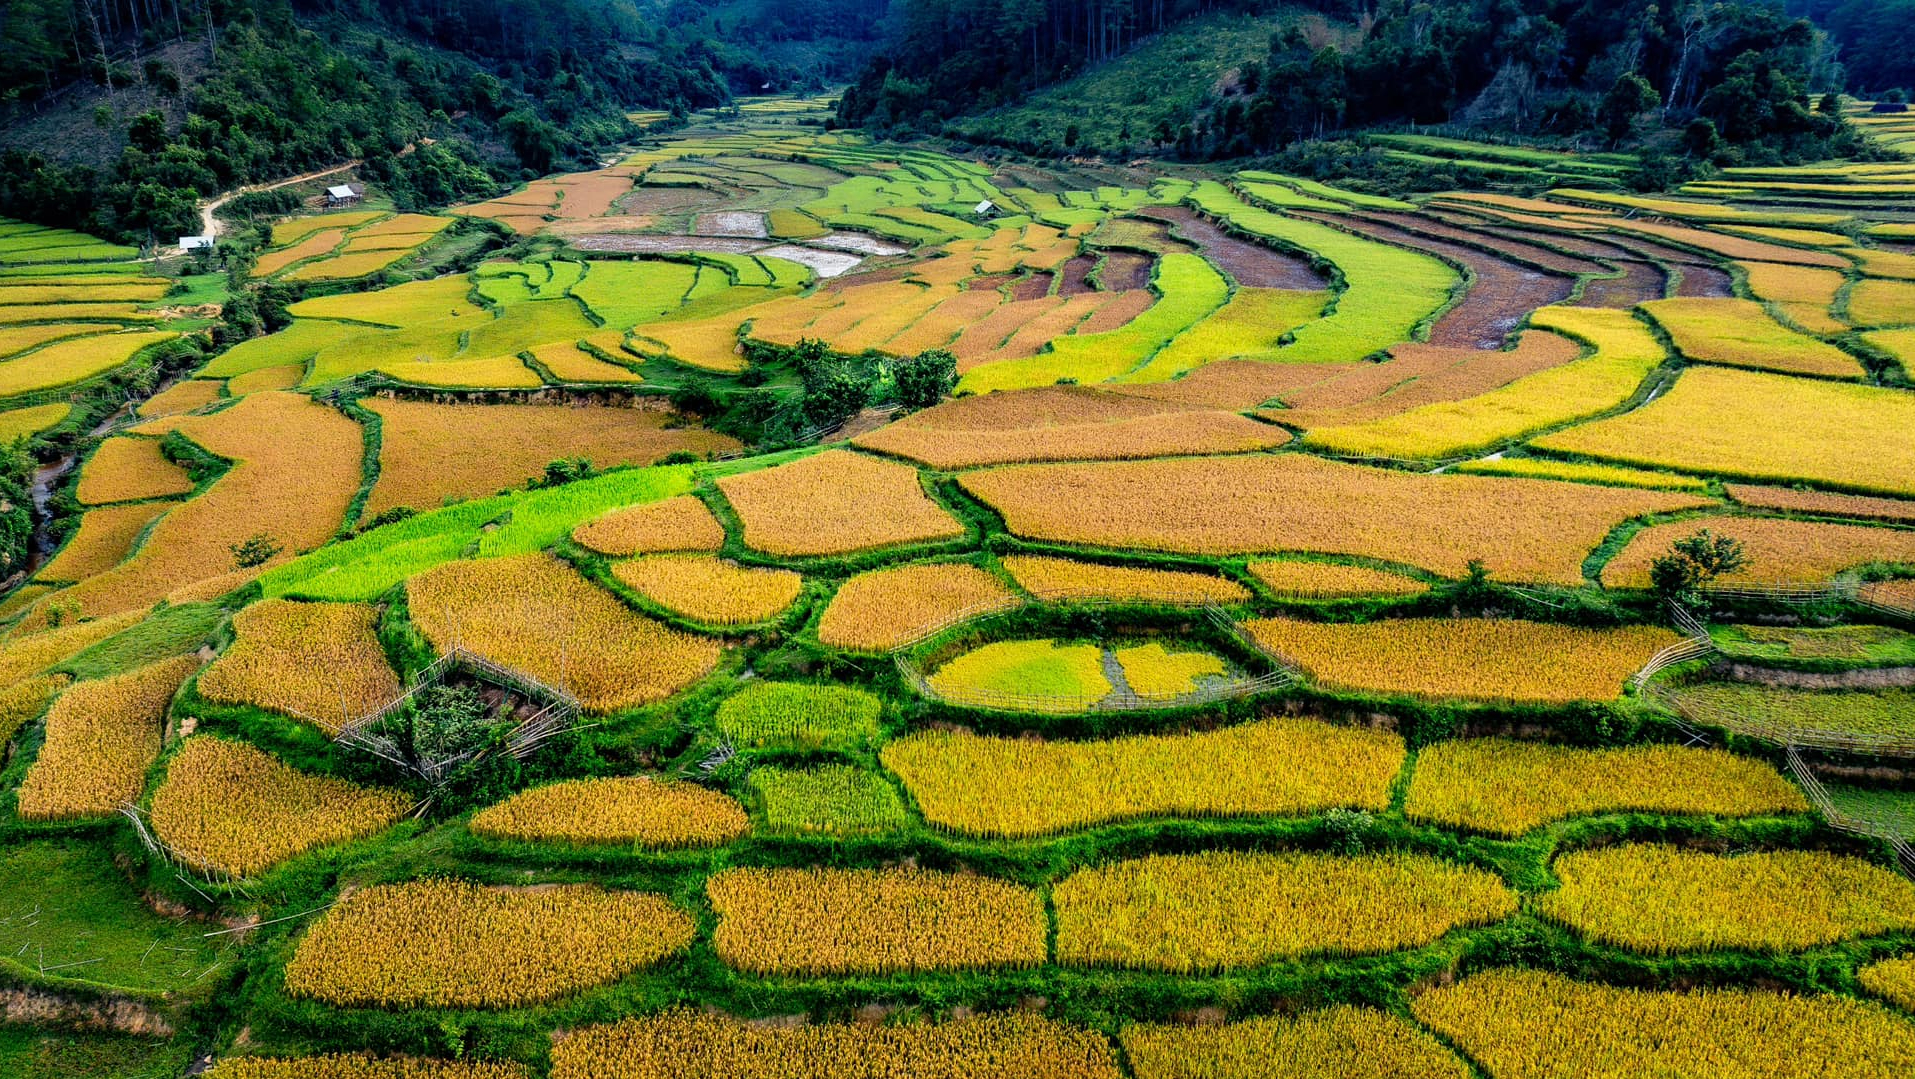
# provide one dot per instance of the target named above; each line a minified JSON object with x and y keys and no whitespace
{"x":1740,"y":75}
{"x":246,"y":90}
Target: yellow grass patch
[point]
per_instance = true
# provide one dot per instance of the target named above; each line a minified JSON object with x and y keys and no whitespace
{"x":1882,"y":303}
{"x":682,"y":523}
{"x":125,"y":469}
{"x":321,"y":662}
{"x":266,"y":378}
{"x":1660,"y":899}
{"x":1068,"y":580}
{"x":430,"y":453}
{"x":1508,"y":788}
{"x":886,"y":608}
{"x":227,"y":807}
{"x":1204,"y":913}
{"x":1014,"y":787}
{"x":106,"y":536}
{"x":1743,"y":424}
{"x":835,"y":502}
{"x":450,"y":944}
{"x":183,"y":396}
{"x":1466,"y":658}
{"x":101,"y":737}
{"x":534,"y":614}
{"x":711,"y":590}
{"x":622,"y":810}
{"x":1527,"y":530}
{"x":1779,"y":550}
{"x":873,"y":921}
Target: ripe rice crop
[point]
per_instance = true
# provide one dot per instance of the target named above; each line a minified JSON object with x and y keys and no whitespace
{"x":873,"y":921}
{"x":64,"y":363}
{"x":533,"y":613}
{"x":20,"y":423}
{"x":1076,"y":424}
{"x":1508,"y":788}
{"x":101,"y":737}
{"x":1626,"y":353}
{"x":1042,"y":675}
{"x":1659,"y":899}
{"x":683,"y":523}
{"x":1332,"y":580}
{"x":24,"y":700}
{"x":1068,"y":580}
{"x":319,"y":661}
{"x":106,"y":536}
{"x":1343,"y":1042}
{"x":1744,"y":424}
{"x":1779,"y":713}
{"x":1216,"y":911}
{"x":832,"y":799}
{"x":835,"y":503}
{"x":313,"y":246}
{"x":497,"y":372}
{"x":1517,"y":1023}
{"x":346,"y":267}
{"x":1779,"y":550}
{"x":340,"y":1066}
{"x":1882,"y":303}
{"x":228,"y":807}
{"x":570,"y":363}
{"x":400,"y":305}
{"x":1793,"y":284}
{"x":452,"y":944}
{"x":433,"y":452}
{"x":1898,"y":594}
{"x":1741,"y":333}
{"x":18,"y":339}
{"x":1154,"y":673}
{"x":31,"y":653}
{"x":635,"y":810}
{"x":711,"y":590}
{"x":1466,"y":658}
{"x":293,"y":230}
{"x":125,"y":469}
{"x":800,"y":715}
{"x":688,"y":1044}
{"x":298,"y":467}
{"x":1578,"y":472}
{"x":887,"y":608}
{"x":266,"y":378}
{"x":1525,"y":530}
{"x":1731,"y":247}
{"x":183,"y":396}
{"x":1014,"y":788}
{"x":1821,"y":503}
{"x":1892,"y":979}
{"x":1250,"y":325}
{"x":74,"y":312}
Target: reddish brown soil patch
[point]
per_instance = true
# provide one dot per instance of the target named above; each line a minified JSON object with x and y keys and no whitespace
{"x":1700,"y":277}
{"x":1253,"y":265}
{"x":1123,"y":271}
{"x":1035,"y":287}
{"x":1640,"y":282}
{"x":854,"y":280}
{"x":990,"y":282}
{"x":1515,"y":250}
{"x":1501,"y":297}
{"x":1074,"y":277}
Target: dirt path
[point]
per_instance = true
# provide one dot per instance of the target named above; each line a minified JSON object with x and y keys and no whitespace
{"x":209,"y":224}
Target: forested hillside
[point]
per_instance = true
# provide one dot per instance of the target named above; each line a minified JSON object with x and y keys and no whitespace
{"x":1740,"y":74}
{"x":119,"y":115}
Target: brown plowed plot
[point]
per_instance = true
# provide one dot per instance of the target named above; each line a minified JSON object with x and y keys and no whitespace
{"x":1239,"y":384}
{"x":1252,"y":265}
{"x":1523,"y":530}
{"x":1640,"y":282}
{"x":665,"y":200}
{"x":1734,"y":247}
{"x":1499,"y":299}
{"x":1134,"y":232}
{"x":1421,"y":375}
{"x":870,"y":277}
{"x":1034,"y":287}
{"x":1074,"y":278}
{"x":835,"y":503}
{"x":990,"y":282}
{"x":1064,"y":423}
{"x":1701,"y":279}
{"x":1123,"y":271}
{"x":1515,"y":249}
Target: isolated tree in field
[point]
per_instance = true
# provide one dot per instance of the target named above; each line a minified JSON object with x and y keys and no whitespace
{"x":1628,"y":99}
{"x":256,"y":550}
{"x":924,"y":379}
{"x":1696,"y":561}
